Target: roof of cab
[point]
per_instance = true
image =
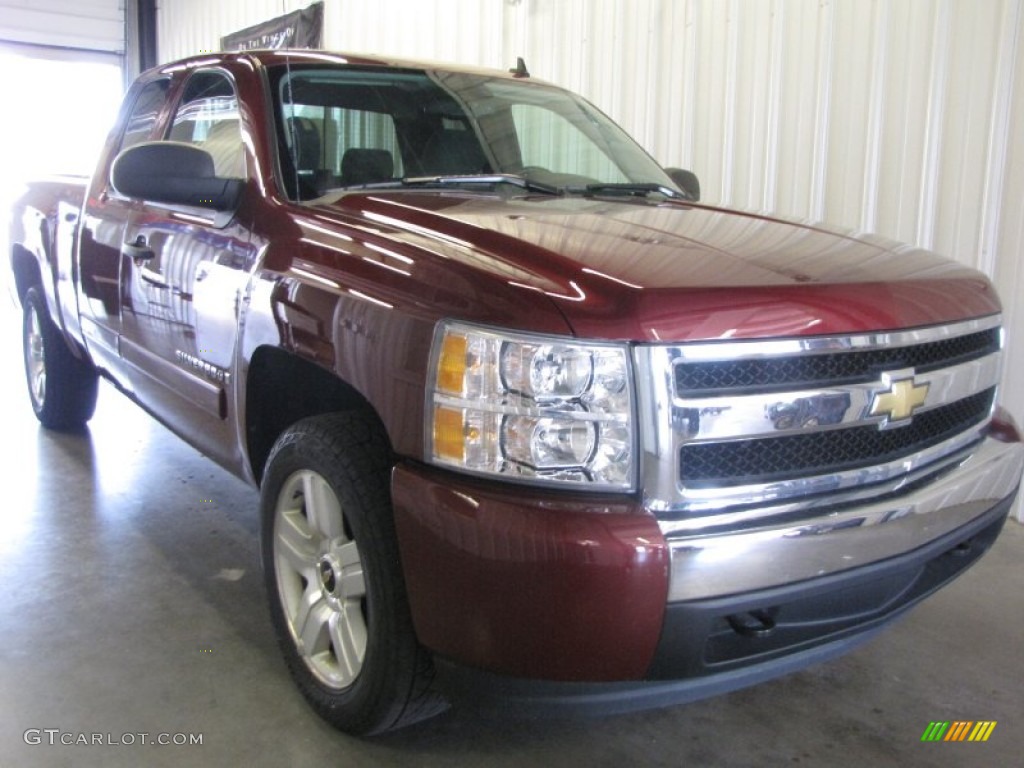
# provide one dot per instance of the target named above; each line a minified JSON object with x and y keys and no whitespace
{"x":305,"y":56}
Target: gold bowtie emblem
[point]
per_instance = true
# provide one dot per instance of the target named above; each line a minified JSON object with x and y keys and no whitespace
{"x":900,"y":400}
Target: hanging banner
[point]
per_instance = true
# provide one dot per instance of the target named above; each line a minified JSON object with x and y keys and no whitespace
{"x":298,"y":29}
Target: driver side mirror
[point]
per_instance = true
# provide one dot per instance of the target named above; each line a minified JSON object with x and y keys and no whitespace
{"x":686,"y":181}
{"x":173,"y":172}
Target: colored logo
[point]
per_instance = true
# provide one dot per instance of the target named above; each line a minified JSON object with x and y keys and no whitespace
{"x":898,"y":402}
{"x":959,"y":730}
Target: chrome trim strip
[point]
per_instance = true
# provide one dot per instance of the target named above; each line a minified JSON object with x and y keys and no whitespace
{"x":774,"y":499}
{"x":747,"y":350}
{"x":799,"y":412}
{"x":716,"y":565}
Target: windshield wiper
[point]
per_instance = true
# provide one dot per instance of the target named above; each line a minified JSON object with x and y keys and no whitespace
{"x":481,"y":178}
{"x":630,"y":189}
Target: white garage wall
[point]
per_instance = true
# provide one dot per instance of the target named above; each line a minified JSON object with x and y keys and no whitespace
{"x":91,"y":25}
{"x":902,"y":117}
{"x":470,"y":31}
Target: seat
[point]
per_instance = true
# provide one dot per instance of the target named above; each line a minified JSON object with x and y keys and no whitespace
{"x":366,"y":166}
{"x":305,"y":142}
{"x":306,"y":150}
{"x":451,"y":152}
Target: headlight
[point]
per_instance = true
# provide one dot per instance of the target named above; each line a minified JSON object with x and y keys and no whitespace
{"x":546,"y":409}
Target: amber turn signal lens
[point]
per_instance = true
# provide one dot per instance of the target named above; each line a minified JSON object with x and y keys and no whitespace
{"x":449,"y":433}
{"x":451,"y":367}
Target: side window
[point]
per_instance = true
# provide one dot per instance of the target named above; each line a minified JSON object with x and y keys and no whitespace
{"x":208,"y":117}
{"x":144,"y":113}
{"x":548,"y":140}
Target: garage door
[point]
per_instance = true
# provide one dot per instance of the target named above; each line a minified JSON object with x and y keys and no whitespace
{"x":91,"y":25}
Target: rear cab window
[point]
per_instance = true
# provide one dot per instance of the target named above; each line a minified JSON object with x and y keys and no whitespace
{"x":145,"y":112}
{"x":208,"y":118}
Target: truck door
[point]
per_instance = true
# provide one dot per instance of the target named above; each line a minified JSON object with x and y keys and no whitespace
{"x":183,"y":285}
{"x":101,"y":230}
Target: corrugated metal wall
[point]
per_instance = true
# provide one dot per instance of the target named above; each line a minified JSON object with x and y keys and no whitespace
{"x":902,"y":117}
{"x":81,"y":25}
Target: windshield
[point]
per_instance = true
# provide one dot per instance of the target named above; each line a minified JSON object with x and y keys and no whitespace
{"x":341,"y":127}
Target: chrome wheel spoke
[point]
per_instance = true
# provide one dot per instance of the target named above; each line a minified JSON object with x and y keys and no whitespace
{"x":311,"y":624}
{"x":322,"y":507}
{"x":296,"y":543}
{"x":348,"y":637}
{"x":353,"y":585}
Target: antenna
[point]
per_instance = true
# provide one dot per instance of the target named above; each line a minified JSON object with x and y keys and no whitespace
{"x":520,"y":70}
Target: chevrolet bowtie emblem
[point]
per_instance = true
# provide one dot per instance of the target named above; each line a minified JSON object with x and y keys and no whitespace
{"x":899,"y":401}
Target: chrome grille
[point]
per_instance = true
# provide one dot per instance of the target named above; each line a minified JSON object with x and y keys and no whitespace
{"x":802,"y":422}
{"x":720,"y":377}
{"x":741,"y":462}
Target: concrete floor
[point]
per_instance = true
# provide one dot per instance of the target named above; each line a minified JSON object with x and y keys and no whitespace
{"x":132,"y":603}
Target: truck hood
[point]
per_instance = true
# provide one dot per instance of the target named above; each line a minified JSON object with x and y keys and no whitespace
{"x":668,"y":271}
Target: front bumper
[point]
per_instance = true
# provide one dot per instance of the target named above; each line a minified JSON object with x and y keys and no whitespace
{"x":529,"y":583}
{"x":712,"y":636}
{"x":523,"y":586}
{"x":710,"y":563}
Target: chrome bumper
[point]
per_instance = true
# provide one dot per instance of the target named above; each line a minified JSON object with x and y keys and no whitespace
{"x":706,"y":565}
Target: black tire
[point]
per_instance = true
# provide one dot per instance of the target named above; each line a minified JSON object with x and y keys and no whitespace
{"x":333,"y":577}
{"x":61,"y":387}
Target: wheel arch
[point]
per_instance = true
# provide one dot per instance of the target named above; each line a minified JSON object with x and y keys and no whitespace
{"x":283,"y":388}
{"x":25,"y":267}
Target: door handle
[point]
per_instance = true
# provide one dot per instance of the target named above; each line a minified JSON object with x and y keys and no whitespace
{"x":155,"y":279}
{"x":137,"y":251}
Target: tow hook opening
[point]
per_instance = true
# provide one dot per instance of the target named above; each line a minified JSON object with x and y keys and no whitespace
{"x":963,"y":549}
{"x":757,"y":623}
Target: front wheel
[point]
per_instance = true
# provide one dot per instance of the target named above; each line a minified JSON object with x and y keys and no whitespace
{"x":331,"y":564}
{"x":62,"y":388}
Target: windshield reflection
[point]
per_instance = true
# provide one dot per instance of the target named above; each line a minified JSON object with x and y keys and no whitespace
{"x":357,"y":127}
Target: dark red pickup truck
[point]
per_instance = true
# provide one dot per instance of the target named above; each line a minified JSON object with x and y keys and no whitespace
{"x":528,"y":419}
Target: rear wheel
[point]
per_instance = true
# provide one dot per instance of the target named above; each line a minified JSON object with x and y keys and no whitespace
{"x":333,"y":577}
{"x":62,"y":388}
